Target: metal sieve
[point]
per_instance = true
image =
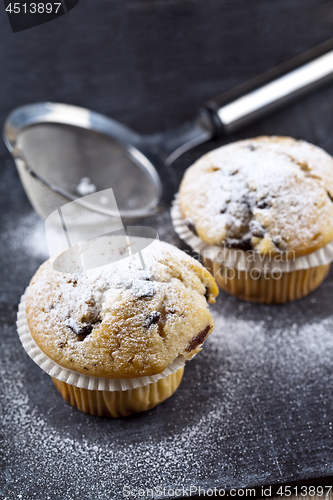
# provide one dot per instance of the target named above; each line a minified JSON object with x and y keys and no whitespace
{"x":64,"y":152}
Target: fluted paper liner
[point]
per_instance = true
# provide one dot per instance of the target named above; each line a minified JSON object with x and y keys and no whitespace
{"x":238,"y":259}
{"x":77,"y":379}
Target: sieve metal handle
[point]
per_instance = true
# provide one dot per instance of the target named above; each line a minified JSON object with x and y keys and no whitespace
{"x":271,"y":90}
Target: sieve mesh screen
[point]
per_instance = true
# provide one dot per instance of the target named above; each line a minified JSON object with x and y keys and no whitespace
{"x":63,"y":155}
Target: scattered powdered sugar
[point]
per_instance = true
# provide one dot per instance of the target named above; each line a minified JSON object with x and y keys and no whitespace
{"x":23,"y":249}
{"x":26,"y":235}
{"x":254,"y":407}
{"x":85,"y":187}
{"x":249,"y":373}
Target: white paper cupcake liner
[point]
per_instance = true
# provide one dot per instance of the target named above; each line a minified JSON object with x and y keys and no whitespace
{"x":75,"y":378}
{"x":239,"y":259}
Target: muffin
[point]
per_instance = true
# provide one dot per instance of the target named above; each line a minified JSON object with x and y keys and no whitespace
{"x":129,"y":325}
{"x":266,"y":201}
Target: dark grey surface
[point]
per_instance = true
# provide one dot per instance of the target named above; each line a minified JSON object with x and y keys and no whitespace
{"x":255,"y":406}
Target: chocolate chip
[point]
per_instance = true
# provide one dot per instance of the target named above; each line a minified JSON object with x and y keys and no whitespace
{"x":279,"y":243}
{"x":246,"y":241}
{"x":73,"y":281}
{"x":85,"y":330}
{"x":207,"y":294}
{"x":82,"y":330}
{"x":223,"y":211}
{"x":330,"y":196}
{"x":257,"y":229}
{"x":191,"y":226}
{"x":90,"y":301}
{"x":152,"y":319}
{"x":232,"y":242}
{"x":242,"y":244}
{"x":251,"y":148}
{"x":263,"y":204}
{"x":149,"y":292}
{"x":198,"y":339}
{"x":140,"y":287}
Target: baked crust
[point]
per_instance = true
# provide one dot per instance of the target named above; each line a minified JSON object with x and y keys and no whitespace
{"x":120,"y":320}
{"x":269,"y":194}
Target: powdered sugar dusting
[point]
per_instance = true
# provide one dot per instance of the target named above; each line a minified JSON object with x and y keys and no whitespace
{"x":264,"y":376}
{"x":248,"y":369}
{"x":137,"y":276}
{"x":126,"y":319}
{"x":270,"y":193}
{"x":27,"y":235}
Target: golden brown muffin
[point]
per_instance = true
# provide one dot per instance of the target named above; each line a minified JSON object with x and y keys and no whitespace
{"x":122,"y":320}
{"x":269,"y":194}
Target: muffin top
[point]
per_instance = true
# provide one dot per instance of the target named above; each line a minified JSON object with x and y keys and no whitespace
{"x":269,"y":194}
{"x":123,"y":320}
